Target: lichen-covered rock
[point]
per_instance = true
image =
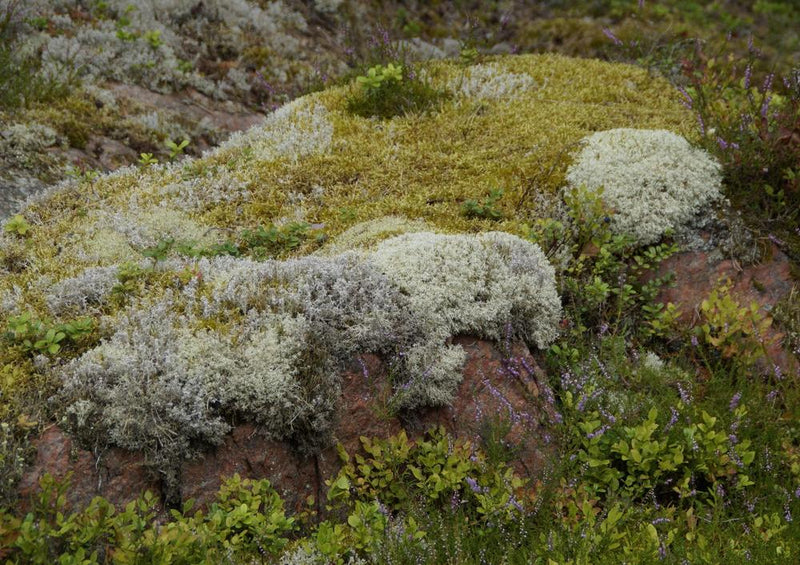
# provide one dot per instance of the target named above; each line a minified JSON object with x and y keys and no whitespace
{"x":653,"y":180}
{"x":266,"y":340}
{"x":196,"y":332}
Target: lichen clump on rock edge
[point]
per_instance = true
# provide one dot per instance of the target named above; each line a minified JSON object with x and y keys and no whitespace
{"x":653,"y":180}
{"x":267,"y":340}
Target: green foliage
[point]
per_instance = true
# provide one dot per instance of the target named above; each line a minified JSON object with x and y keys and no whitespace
{"x":246,"y":520}
{"x":17,"y":225}
{"x":399,"y":473}
{"x":146,"y":159}
{"x":176,"y":149}
{"x":35,"y":336}
{"x":691,"y":461}
{"x":272,"y":241}
{"x":607,"y":280}
{"x":486,"y":208}
{"x":153,"y":39}
{"x":736,"y":333}
{"x":392,"y":90}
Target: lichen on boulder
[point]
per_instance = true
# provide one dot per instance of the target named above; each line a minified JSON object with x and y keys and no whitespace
{"x":206,"y":334}
{"x":653,"y":180}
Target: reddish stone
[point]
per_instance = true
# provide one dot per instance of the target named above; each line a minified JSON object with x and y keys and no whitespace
{"x":498,"y":388}
{"x":766,"y":283}
{"x":494,"y":388}
{"x":118,"y":475}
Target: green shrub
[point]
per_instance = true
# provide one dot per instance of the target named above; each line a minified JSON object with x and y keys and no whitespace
{"x":392,"y":90}
{"x":247,"y":519}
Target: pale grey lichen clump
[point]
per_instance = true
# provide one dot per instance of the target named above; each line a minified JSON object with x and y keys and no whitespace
{"x":267,"y":340}
{"x":295,"y":130}
{"x":150,"y":43}
{"x":474,"y":284}
{"x":491,"y":82}
{"x":653,"y":180}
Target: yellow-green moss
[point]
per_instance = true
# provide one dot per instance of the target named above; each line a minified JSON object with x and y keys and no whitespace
{"x":418,"y":166}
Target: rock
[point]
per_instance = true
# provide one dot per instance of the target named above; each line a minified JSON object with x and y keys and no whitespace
{"x":697,"y":273}
{"x":116,"y":474}
{"x":496,"y":388}
{"x":499,"y":389}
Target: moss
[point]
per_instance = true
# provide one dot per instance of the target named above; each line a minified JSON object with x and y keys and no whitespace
{"x":313,"y":162}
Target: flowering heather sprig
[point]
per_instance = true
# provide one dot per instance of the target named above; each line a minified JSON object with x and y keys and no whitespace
{"x":734,"y":403}
{"x":673,"y":419}
{"x":686,"y":397}
{"x":607,"y":415}
{"x":687,"y":101}
{"x":735,"y":456}
{"x":777,"y":241}
{"x":747,"y":75}
{"x":658,"y":521}
{"x":776,"y":369}
{"x":609,"y":34}
{"x":364,"y":370}
{"x":701,"y":124}
{"x":474,"y":486}
{"x":772,"y":395}
{"x":598,"y":432}
{"x":602,"y":368}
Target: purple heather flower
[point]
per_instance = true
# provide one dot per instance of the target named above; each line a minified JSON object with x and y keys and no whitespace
{"x":772,"y":395}
{"x":658,"y":521}
{"x":702,"y":124}
{"x":694,"y":341}
{"x":768,"y":83}
{"x":734,"y":401}
{"x":686,"y":398}
{"x":688,"y":102}
{"x":609,"y":34}
{"x":474,"y":486}
{"x":673,"y":419}
{"x":597,"y":433}
{"x":747,"y":73}
{"x":364,"y":370}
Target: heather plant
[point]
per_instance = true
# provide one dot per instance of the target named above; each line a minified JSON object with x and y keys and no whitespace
{"x":748,"y":117}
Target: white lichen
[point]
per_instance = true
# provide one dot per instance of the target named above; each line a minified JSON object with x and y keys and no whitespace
{"x":491,"y":82}
{"x":653,"y":180}
{"x":295,"y":130}
{"x":474,"y":284}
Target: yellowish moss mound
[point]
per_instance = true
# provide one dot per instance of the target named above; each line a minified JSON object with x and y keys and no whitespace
{"x":511,"y":124}
{"x":315,"y":163}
